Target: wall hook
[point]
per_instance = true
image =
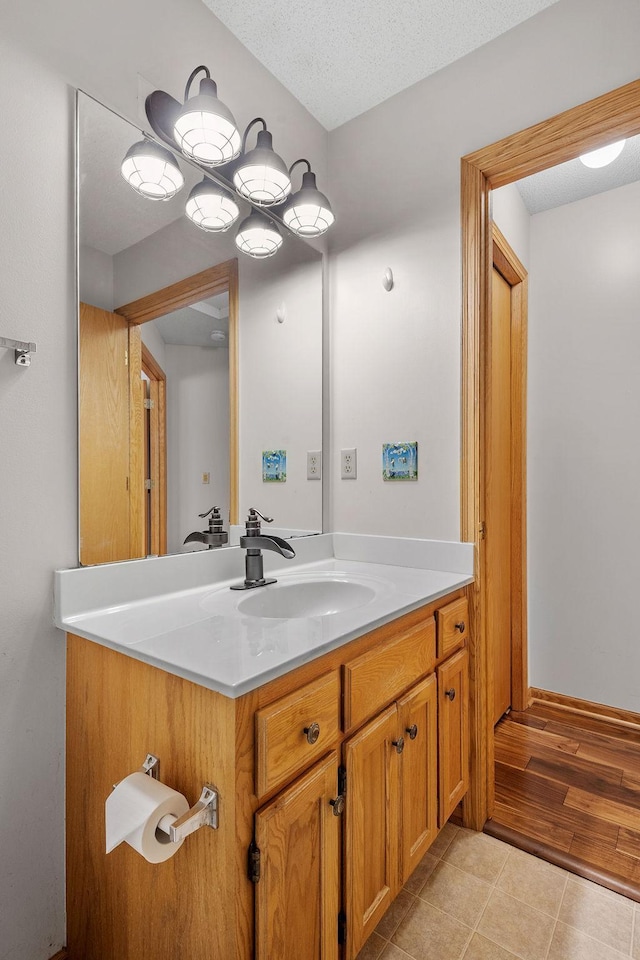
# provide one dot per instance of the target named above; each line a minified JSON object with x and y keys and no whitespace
{"x":387,"y":280}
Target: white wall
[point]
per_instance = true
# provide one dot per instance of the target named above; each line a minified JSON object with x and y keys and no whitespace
{"x":394,"y":178}
{"x":513,"y":219}
{"x":583,"y":450}
{"x":46,"y":51}
{"x":197,"y":439}
{"x":95,"y":277}
{"x":281,"y":389}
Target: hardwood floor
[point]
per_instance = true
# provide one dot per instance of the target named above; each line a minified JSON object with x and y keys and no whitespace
{"x":568,"y":790}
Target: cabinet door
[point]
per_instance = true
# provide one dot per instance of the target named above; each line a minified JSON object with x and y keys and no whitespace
{"x":371,"y":826}
{"x":453,"y":732}
{"x":297,"y":894}
{"x":419,"y":774}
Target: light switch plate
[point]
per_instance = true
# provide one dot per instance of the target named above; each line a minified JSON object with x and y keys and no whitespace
{"x":349,"y":464}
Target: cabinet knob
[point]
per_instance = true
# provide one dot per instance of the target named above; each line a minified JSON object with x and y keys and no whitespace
{"x":338,"y":805}
{"x":450,"y":693}
{"x":398,"y":744}
{"x":412,"y":731}
{"x":460,"y":626}
{"x":312,"y":732}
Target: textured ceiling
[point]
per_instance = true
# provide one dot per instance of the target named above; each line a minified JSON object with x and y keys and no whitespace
{"x":340,"y":59}
{"x":573,"y":181}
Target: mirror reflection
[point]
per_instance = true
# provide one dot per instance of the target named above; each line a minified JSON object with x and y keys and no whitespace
{"x":197,"y":364}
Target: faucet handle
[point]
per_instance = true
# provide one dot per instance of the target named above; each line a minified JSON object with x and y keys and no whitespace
{"x":213,"y":510}
{"x":252,"y":516}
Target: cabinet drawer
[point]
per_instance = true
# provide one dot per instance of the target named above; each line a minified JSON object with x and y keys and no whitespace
{"x":295,"y":730}
{"x":453,"y":626}
{"x":379,"y":676}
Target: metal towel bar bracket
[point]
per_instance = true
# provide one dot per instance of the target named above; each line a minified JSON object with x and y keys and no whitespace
{"x":204,"y":813}
{"x":23,"y":350}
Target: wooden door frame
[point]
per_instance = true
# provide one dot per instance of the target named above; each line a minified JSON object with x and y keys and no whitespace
{"x":557,"y":140}
{"x":207,"y":283}
{"x":509,"y":266}
{"x":158,"y":451}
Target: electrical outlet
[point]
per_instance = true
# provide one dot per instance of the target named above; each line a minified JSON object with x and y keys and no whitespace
{"x":314,"y":465}
{"x":206,"y":478}
{"x":348,"y":464}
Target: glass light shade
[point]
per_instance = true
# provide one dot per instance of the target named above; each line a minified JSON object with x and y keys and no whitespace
{"x":262,"y":176}
{"x":603,"y":156}
{"x":152,"y":171}
{"x":205,"y":129}
{"x":308,"y":212}
{"x":258,"y":237}
{"x":212,"y":208}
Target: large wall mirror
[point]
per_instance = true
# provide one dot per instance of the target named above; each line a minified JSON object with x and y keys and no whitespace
{"x":200,"y":368}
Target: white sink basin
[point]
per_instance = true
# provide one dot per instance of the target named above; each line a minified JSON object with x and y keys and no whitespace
{"x":307,"y":598}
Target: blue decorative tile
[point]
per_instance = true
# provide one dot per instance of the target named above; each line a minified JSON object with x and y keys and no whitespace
{"x":274,"y":466}
{"x":400,"y":461}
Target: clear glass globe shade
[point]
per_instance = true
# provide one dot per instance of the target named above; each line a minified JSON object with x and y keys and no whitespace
{"x":603,"y":156}
{"x":308,"y":219}
{"x":207,"y":137}
{"x":262,"y":184}
{"x":258,"y":239}
{"x":153,"y":176}
{"x":212,"y":210}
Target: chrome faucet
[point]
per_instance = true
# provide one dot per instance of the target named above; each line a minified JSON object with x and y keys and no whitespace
{"x":215,"y":536}
{"x":254,"y":542}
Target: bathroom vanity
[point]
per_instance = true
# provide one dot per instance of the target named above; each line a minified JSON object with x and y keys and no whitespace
{"x":336,"y":763}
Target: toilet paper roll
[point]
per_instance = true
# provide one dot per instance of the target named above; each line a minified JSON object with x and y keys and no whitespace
{"x":133,"y":813}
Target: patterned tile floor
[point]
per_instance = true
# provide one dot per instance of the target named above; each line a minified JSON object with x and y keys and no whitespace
{"x":476,"y":898}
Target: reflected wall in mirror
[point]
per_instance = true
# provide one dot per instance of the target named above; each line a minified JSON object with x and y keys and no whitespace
{"x":187,"y":372}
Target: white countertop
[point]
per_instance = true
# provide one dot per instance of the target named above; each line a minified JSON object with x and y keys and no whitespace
{"x":195,"y":630}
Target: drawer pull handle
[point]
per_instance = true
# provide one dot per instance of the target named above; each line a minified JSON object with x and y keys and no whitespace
{"x":313,"y":733}
{"x":451,"y":694}
{"x":398,"y":744}
{"x":412,"y":731}
{"x":338,"y":805}
{"x":460,"y":626}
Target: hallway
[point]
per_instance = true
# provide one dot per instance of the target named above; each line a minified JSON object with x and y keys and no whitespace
{"x":568,"y":790}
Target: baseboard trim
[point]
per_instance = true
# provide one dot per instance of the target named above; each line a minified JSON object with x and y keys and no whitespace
{"x":60,"y":955}
{"x":573,"y":864}
{"x":614,"y":715}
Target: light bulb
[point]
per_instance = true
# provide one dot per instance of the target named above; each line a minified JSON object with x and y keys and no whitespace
{"x":205,"y":129}
{"x":258,"y":237}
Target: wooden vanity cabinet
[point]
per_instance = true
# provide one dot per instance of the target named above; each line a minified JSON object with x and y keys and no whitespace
{"x":298,"y":892}
{"x":283,"y":875}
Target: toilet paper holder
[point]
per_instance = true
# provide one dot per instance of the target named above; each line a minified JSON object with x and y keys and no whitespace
{"x":204,"y":812}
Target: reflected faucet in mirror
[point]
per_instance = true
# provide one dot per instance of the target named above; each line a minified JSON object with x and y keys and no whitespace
{"x":215,"y":536}
{"x":254,"y":542}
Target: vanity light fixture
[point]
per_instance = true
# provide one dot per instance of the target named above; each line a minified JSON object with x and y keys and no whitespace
{"x":205,"y":129}
{"x":308,"y":212}
{"x":152,"y":171}
{"x":258,"y":236}
{"x":262,"y":176}
{"x":211,"y":207}
{"x":603,"y":155}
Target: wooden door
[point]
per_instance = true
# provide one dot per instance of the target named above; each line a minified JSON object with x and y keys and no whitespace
{"x":419,"y":774}
{"x":371,"y":826}
{"x":103,"y":436}
{"x":453,"y":732}
{"x":498,"y":495}
{"x":297,"y":896}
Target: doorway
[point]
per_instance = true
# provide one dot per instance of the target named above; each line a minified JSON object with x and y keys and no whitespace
{"x":613,"y":116}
